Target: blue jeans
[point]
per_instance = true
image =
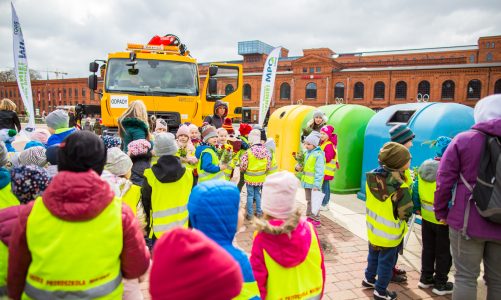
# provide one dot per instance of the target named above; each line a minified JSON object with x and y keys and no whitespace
{"x":326,"y":189}
{"x":380,"y":263}
{"x":253,"y":193}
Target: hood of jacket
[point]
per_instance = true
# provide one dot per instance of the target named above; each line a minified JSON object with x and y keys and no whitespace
{"x":259,"y":151}
{"x":491,"y":127}
{"x":4,"y":177}
{"x":381,"y":183}
{"x":428,"y":170}
{"x":200,"y":148}
{"x":218,"y":104}
{"x":78,"y":196}
{"x":134,"y":122}
{"x":288,"y":251}
{"x":168,"y":169}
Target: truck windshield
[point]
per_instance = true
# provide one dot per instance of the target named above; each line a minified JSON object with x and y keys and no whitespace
{"x":152,"y":77}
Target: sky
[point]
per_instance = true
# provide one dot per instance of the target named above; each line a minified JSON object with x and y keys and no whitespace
{"x":65,"y":35}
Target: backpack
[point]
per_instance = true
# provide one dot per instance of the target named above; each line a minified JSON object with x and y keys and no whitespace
{"x":486,"y":193}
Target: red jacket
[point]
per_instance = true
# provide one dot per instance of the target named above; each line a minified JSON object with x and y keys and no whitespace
{"x":76,"y":197}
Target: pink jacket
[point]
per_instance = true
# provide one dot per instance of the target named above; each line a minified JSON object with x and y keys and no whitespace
{"x":287,"y":251}
{"x":330,"y":154}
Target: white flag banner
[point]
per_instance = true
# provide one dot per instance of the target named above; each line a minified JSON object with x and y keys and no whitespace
{"x":22,"y":71}
{"x":267,"y":83}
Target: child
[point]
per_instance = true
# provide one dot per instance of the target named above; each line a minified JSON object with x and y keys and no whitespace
{"x":184,"y":144}
{"x":388,"y":206}
{"x":8,"y":136}
{"x":40,"y":135}
{"x":254,"y":166}
{"x":133,"y":124}
{"x":208,"y":161}
{"x":203,"y":270}
{"x":161,"y":126}
{"x":222,"y":137}
{"x":286,"y":256}
{"x":436,"y":259}
{"x":214,"y":210}
{"x":51,"y":154}
{"x":194,"y":135}
{"x":139,"y":152}
{"x":111,"y":141}
{"x":244,"y":130}
{"x":228,"y":125}
{"x":57,"y":121}
{"x":272,"y":147}
{"x":7,"y":198}
{"x":319,"y":120}
{"x":8,"y":115}
{"x":33,"y":156}
{"x":331,"y":162}
{"x":166,"y":189}
{"x":313,"y":172}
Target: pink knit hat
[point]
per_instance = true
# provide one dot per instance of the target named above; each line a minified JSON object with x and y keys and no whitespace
{"x":183,"y":130}
{"x":40,"y":135}
{"x":329,"y":130}
{"x":138,"y":147}
{"x":279,"y":195}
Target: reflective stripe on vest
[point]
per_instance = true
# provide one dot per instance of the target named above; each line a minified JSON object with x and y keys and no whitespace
{"x":249,"y":291}
{"x":382,"y":228}
{"x":7,"y":198}
{"x":426,"y":192}
{"x":169,"y":202}
{"x":69,"y":260}
{"x":303,"y":281}
{"x":256,"y":168}
{"x":132,"y":197}
{"x":205,"y":176}
{"x":309,"y":168}
{"x":330,"y":167}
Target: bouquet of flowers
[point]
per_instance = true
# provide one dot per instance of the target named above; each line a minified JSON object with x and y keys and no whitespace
{"x":227,"y":154}
{"x":183,"y":153}
{"x":299,"y":157}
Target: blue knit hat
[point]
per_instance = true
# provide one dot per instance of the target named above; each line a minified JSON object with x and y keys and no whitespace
{"x":401,"y":134}
{"x":32,"y":144}
{"x":111,"y":141}
{"x":441,"y":143}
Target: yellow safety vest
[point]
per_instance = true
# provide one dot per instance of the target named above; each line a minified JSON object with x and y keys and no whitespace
{"x":426,"y":192}
{"x":7,"y":199}
{"x":74,"y":260}
{"x":303,"y":281}
{"x":132,"y":197}
{"x":249,"y":290}
{"x":231,"y":166}
{"x":408,"y":179}
{"x":168,"y":202}
{"x":274,"y":164}
{"x":330,"y":167}
{"x":309,"y":169}
{"x":205,"y":176}
{"x":256,"y":168}
{"x":382,"y":228}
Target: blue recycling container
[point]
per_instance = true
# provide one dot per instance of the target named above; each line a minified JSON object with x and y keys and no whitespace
{"x":428,"y":121}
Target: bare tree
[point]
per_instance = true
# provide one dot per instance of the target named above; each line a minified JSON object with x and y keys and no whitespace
{"x":10,"y":75}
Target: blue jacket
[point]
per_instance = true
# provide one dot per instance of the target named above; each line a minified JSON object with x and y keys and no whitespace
{"x":319,"y":168}
{"x":206,"y":159}
{"x":59,"y":136}
{"x":4,"y":177}
{"x":213,"y":209}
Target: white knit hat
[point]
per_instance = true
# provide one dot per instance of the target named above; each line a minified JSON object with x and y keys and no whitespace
{"x":313,"y":138}
{"x":117,"y":162}
{"x":279,"y":195}
{"x":57,"y":119}
{"x":165,"y":144}
{"x":254,"y":137}
{"x":33,"y":156}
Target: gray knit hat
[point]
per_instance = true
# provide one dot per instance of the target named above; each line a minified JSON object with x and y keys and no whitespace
{"x":117,"y":162}
{"x":33,"y":156}
{"x":313,"y":138}
{"x":165,"y":144}
{"x":3,"y":154}
{"x":57,"y":119}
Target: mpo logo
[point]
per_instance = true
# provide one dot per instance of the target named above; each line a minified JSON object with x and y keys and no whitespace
{"x":17,"y":28}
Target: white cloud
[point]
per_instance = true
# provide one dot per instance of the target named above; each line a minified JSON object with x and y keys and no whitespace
{"x":67,"y":34}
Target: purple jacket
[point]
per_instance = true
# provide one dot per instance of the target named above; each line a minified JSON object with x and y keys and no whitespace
{"x":463,"y":156}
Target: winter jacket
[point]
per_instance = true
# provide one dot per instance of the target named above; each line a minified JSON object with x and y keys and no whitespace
{"x":135,"y":129}
{"x":216,"y":120}
{"x":287,"y":250}
{"x":206,"y":163}
{"x":59,"y":136}
{"x":8,"y":219}
{"x":463,"y":156}
{"x":319,"y":168}
{"x":330,"y":154}
{"x":9,"y":120}
{"x":139,"y":164}
{"x":4,"y":177}
{"x":381,"y":185}
{"x":167,"y":169}
{"x":427,"y":172}
{"x":216,"y":215}
{"x":76,"y":197}
{"x":260,"y":152}
{"x":311,"y":126}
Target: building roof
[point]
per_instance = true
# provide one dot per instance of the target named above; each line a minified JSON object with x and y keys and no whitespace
{"x":430,"y":67}
{"x":409,"y":51}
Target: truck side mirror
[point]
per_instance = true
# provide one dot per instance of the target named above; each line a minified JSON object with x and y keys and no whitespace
{"x":93,"y":67}
{"x":212,"y":86}
{"x":212,"y":70}
{"x":92,"y":82}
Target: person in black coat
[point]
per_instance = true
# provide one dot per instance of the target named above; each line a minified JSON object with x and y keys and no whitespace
{"x":8,"y":115}
{"x":220,"y":113}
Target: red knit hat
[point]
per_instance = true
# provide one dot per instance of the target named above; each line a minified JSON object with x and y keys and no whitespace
{"x":244,"y":129}
{"x":228,"y":126}
{"x":189,"y":265}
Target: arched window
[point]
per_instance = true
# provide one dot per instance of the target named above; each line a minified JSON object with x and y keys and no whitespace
{"x":401,"y":90}
{"x":83,"y":92}
{"x":379,"y":90}
{"x":497,"y":87}
{"x":228,"y":89}
{"x":448,"y":90}
{"x":472,"y":58}
{"x":311,"y":90}
{"x":489,"y":56}
{"x":474,"y":89}
{"x":424,"y":88}
{"x":76,"y":93}
{"x":339,"y":90}
{"x":285,"y":91}
{"x":247,"y":91}
{"x":358,"y":91}
{"x":70,"y":92}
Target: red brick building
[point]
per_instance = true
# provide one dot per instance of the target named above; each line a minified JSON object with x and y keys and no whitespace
{"x":461,"y":74}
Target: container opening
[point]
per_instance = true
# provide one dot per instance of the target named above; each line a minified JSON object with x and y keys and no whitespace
{"x":282,"y":114}
{"x":401,"y":117}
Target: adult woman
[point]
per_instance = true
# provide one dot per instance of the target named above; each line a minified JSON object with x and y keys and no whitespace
{"x":319,"y":120}
{"x":133,"y":124}
{"x":8,"y":115}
